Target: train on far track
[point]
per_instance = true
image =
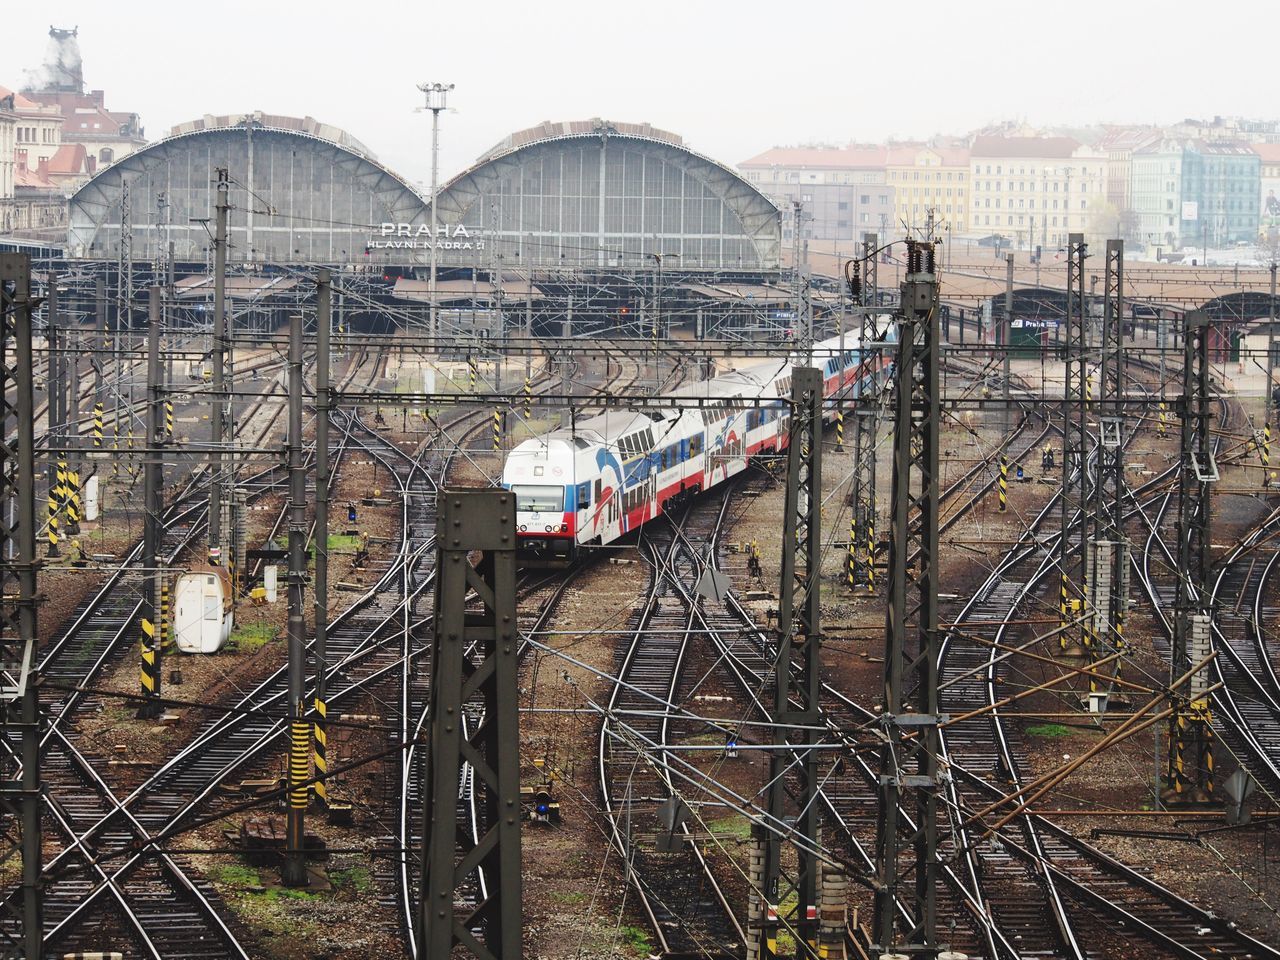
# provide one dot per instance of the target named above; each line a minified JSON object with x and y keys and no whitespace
{"x":589,"y":484}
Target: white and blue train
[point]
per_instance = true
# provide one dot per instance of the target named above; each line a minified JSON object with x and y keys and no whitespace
{"x":589,"y":484}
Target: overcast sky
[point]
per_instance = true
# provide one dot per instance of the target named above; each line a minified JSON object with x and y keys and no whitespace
{"x":732,"y":77}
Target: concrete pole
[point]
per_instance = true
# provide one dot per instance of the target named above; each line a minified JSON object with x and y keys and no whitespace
{"x":295,"y":866}
{"x":217,"y":423}
{"x":323,"y":474}
{"x":1271,"y":346}
{"x":152,"y":644}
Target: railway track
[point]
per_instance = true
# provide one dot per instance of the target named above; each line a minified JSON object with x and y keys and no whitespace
{"x":679,"y":894}
{"x":91,"y":819}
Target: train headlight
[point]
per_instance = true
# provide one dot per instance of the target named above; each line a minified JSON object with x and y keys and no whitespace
{"x":524,"y":528}
{"x":548,"y":528}
{"x":564,"y":528}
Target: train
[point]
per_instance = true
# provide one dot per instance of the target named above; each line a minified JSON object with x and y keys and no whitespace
{"x":587,"y":485}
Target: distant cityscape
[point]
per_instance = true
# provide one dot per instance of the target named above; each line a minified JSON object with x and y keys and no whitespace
{"x":1210,"y":183}
{"x":1166,"y":190}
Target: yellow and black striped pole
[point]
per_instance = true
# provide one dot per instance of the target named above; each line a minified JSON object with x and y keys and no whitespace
{"x":1206,"y":758}
{"x":473,"y":371}
{"x":1265,"y":453}
{"x":70,"y":496}
{"x":149,"y":677}
{"x":851,"y":557}
{"x":1161,"y":423}
{"x":168,"y":419}
{"x":871,"y":547}
{"x":528,"y":399}
{"x":166,"y":637}
{"x":1177,"y":752}
{"x":497,"y":429}
{"x":97,"y":425}
{"x":299,"y":764}
{"x":54,"y":506}
{"x":1064,"y":611}
{"x":1004,"y":483}
{"x":321,"y":748}
{"x":839,"y":430}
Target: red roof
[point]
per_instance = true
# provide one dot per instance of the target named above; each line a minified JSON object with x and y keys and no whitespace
{"x":1024,"y":146}
{"x":1269,"y":152}
{"x":71,"y":159}
{"x":22,"y":104}
{"x":855,"y":156}
{"x":904,"y":155}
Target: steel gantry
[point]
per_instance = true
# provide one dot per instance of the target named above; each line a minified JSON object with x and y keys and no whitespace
{"x":20,"y":789}
{"x":1108,"y":571}
{"x":791,"y":889}
{"x":1189,"y":777}
{"x":907,"y":856}
{"x":862,"y":493}
{"x":474,"y":671}
{"x":1074,"y":448}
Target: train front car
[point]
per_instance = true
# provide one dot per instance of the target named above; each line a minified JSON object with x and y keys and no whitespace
{"x":540,"y":472}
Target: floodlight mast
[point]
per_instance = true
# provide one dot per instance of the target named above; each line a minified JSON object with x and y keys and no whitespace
{"x":437,"y":97}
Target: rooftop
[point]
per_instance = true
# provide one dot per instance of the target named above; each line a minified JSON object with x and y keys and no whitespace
{"x":1024,"y":146}
{"x":849,"y":157}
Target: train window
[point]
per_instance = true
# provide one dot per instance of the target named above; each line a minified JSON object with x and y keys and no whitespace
{"x":540,"y":499}
{"x":695,"y":445}
{"x":597,"y":496}
{"x":584,"y":495}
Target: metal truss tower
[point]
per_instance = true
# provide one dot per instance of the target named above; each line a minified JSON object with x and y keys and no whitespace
{"x":793,"y":897}
{"x":20,"y":788}
{"x":1074,"y":446}
{"x":907,"y":856}
{"x":866,"y":401}
{"x":1108,"y":575}
{"x":474,"y":668}
{"x":1190,"y":770}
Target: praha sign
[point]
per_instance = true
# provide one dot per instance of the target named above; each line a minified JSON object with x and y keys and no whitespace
{"x":408,"y":236}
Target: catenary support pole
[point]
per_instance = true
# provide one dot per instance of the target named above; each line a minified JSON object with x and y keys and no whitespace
{"x":323,"y":477}
{"x":294,"y":873}
{"x":1074,"y":475}
{"x":1189,"y":777}
{"x":791,"y":884}
{"x":906,"y":858}
{"x":447,"y":919}
{"x":21,"y":915}
{"x":217,"y":382}
{"x":151,"y":641}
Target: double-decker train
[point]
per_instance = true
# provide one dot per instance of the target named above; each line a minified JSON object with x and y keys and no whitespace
{"x":603,"y":477}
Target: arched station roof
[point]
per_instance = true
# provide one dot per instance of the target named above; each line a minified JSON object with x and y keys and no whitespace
{"x":296,"y":195}
{"x":600,"y":194}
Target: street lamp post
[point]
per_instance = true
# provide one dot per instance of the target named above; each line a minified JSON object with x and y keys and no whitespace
{"x":437,"y":95}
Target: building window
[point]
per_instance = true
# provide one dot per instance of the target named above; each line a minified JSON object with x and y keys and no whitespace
{"x":106,"y":155}
{"x":864,"y":198}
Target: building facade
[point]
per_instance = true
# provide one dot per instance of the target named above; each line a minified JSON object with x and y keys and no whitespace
{"x":930,"y":185}
{"x":1034,"y":190}
{"x":8,"y":142}
{"x":1197,"y":193}
{"x":1269,"y":190}
{"x":842,"y":191}
{"x":296,"y":196}
{"x":597,"y":193}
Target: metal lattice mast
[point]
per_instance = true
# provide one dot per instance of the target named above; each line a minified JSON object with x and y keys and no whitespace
{"x":217,"y":382}
{"x":484,"y":682}
{"x":793,"y":780}
{"x":907,"y":859}
{"x":20,"y":788}
{"x":1074,"y":475}
{"x":1190,"y":770}
{"x":862,"y":494}
{"x":1108,"y":580}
